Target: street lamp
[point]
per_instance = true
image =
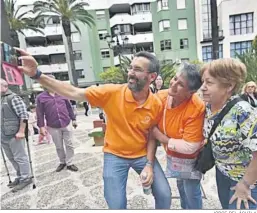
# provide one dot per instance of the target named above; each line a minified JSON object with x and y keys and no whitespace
{"x":120,"y":42}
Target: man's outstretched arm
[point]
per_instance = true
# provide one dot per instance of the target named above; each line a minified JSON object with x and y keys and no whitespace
{"x":29,"y":67}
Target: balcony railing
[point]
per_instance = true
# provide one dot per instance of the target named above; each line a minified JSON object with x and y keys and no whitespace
{"x":208,"y":36}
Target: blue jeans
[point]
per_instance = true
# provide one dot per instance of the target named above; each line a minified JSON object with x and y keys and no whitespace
{"x":224,"y":184}
{"x":115,"y":175}
{"x":190,"y":193}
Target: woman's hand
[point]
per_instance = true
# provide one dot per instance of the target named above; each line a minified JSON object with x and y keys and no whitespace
{"x":242,"y":193}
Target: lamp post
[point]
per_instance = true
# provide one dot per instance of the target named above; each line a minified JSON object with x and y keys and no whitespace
{"x":119,"y":44}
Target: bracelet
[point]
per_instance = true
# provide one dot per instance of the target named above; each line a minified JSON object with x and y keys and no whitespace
{"x":37,"y":76}
{"x":149,"y":163}
{"x":247,"y":184}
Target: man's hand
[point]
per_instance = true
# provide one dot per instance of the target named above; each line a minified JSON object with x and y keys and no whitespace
{"x":29,"y":64}
{"x":149,"y":171}
{"x":20,"y":135}
{"x":74,"y":124}
{"x":43,"y":131}
{"x":242,"y":193}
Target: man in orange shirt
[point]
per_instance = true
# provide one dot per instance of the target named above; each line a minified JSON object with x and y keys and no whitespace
{"x":132,"y":110}
{"x":180,"y":131}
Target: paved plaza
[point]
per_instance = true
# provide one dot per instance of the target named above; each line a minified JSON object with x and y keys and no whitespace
{"x":84,"y":189}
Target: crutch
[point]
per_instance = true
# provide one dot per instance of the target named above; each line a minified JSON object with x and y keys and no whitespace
{"x":29,"y":154}
{"x":7,"y":170}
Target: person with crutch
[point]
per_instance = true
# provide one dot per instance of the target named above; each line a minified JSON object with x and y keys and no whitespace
{"x":14,"y":117}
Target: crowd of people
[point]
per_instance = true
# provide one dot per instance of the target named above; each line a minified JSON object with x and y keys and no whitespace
{"x":184,"y":118}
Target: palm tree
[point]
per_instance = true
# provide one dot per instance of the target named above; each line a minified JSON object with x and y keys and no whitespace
{"x":69,"y":12}
{"x":20,"y":22}
{"x":168,"y":71}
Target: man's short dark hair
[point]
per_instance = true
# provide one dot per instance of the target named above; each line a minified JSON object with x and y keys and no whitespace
{"x":191,"y":72}
{"x":154,"y":65}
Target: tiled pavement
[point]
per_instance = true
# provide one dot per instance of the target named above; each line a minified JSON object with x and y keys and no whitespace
{"x":83,"y":189}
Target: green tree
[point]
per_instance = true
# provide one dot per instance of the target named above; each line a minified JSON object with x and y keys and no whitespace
{"x":69,"y":12}
{"x":249,"y":58}
{"x":168,"y":71}
{"x":19,"y":22}
{"x":113,"y":75}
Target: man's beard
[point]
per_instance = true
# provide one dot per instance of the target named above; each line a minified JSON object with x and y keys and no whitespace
{"x":138,"y":85}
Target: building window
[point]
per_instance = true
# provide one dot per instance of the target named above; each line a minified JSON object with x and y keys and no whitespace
{"x":165,"y":45}
{"x":184,"y":43}
{"x":56,"y":20}
{"x":80,"y":73}
{"x":100,"y":14}
{"x":182,"y":24}
{"x":241,"y":24}
{"x":207,"y":52}
{"x":239,"y":48}
{"x":164,"y":25}
{"x":61,"y":76}
{"x":75,"y":37}
{"x":105,"y":53}
{"x":77,"y":55}
{"x":181,"y":4}
{"x":105,"y":68}
{"x":162,"y":5}
{"x":140,"y":8}
{"x":123,"y":28}
{"x":183,"y":60}
{"x":206,"y":19}
{"x":102,"y":34}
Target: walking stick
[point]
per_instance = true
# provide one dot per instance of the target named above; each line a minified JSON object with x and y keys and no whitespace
{"x":29,"y":154}
{"x":7,"y":170}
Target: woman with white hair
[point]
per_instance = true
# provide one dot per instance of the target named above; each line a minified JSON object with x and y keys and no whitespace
{"x":249,"y":93}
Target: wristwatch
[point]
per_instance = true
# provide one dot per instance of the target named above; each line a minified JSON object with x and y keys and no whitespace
{"x":247,"y":184}
{"x":37,"y":76}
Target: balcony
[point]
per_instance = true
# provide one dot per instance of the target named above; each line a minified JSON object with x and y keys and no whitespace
{"x":53,"y":49}
{"x":116,"y":58}
{"x":207,"y":37}
{"x":140,"y":37}
{"x":49,"y":30}
{"x":126,"y":18}
{"x":53,"y":68}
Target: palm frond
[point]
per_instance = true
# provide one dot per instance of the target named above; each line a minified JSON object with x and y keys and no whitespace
{"x":25,"y":13}
{"x":76,"y":26}
{"x":18,"y":9}
{"x":79,"y":5}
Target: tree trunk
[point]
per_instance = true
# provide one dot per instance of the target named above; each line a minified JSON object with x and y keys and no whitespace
{"x":70,"y":56}
{"x":215,"y":30}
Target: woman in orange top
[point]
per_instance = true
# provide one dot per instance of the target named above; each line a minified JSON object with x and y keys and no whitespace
{"x":180,"y":131}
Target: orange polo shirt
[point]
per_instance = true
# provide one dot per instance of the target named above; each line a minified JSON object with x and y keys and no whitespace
{"x":183,"y":122}
{"x":128,"y":123}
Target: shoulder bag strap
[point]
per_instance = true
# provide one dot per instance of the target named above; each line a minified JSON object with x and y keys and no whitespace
{"x":221,"y":115}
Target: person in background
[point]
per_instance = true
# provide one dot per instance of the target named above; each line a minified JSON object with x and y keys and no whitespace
{"x":60,"y":118}
{"x":233,"y":142}
{"x":14,"y":117}
{"x":32,"y":121}
{"x":85,"y":104}
{"x":180,"y":131}
{"x":132,"y":110}
{"x":249,"y":93}
{"x":157,"y":85}
{"x":74,"y":106}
